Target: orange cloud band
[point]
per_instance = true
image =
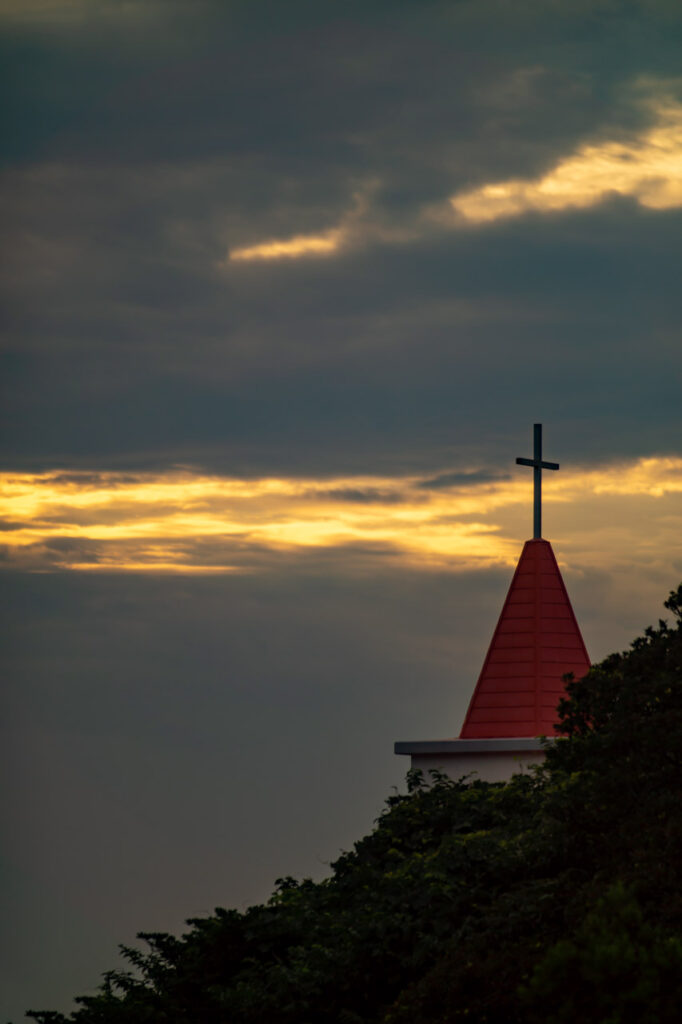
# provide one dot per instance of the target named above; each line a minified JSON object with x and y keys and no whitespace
{"x":188,"y":522}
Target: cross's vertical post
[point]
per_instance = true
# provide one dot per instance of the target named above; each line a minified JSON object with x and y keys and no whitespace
{"x":538,"y":466}
{"x":537,"y":480}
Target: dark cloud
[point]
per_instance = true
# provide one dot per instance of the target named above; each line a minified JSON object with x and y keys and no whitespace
{"x":333,"y":83}
{"x":276,"y":367}
{"x":474,"y":476}
{"x":127,"y":339}
{"x":363,"y":496}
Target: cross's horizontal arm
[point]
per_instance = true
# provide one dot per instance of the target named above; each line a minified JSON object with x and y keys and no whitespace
{"x":532,"y":462}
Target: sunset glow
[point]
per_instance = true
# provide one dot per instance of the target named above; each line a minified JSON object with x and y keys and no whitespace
{"x":648,"y":168}
{"x":290,"y":248}
{"x":183,"y":522}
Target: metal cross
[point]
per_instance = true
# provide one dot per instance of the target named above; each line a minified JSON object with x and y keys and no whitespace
{"x":538,"y":466}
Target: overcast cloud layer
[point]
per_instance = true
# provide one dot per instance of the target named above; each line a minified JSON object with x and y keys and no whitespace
{"x":152,"y":141}
{"x":356,"y":249}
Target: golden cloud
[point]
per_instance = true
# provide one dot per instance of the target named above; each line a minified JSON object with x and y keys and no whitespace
{"x":648,"y":168}
{"x":358,"y":225}
{"x":184,"y":522}
{"x":291,"y":248}
{"x":323,"y":243}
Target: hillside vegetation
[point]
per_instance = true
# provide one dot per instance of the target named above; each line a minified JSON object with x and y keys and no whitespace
{"x":554,"y":898}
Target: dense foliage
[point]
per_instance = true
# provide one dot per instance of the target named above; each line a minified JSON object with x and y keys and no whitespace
{"x":554,"y":898}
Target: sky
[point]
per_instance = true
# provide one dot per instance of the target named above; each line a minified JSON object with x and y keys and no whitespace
{"x":285,"y":288}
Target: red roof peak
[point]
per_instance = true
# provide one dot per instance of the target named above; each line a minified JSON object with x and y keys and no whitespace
{"x":537,"y":640}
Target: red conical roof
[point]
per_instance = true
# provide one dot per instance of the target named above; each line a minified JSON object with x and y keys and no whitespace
{"x":536,"y":642}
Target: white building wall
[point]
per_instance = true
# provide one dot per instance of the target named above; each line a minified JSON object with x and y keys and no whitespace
{"x":492,"y":767}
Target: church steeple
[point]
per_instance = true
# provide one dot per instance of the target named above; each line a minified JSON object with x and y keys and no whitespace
{"x":536,"y":642}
